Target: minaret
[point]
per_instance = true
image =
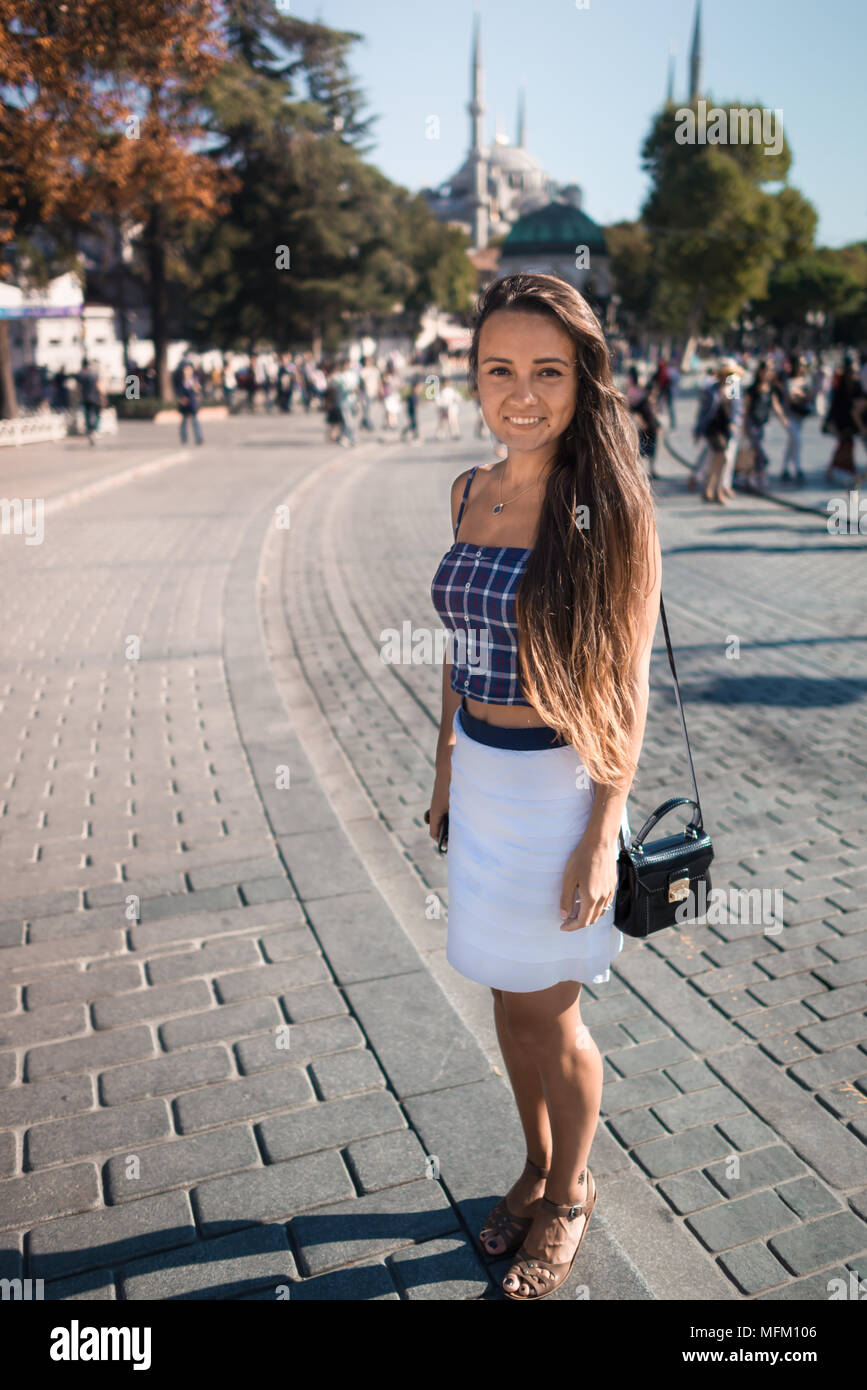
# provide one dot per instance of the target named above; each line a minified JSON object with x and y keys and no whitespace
{"x":521,"y":119}
{"x":695,"y":57}
{"x":478,"y":157}
{"x":669,"y":94}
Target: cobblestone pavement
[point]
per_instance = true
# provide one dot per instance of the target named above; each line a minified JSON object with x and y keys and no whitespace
{"x":233,"y":1057}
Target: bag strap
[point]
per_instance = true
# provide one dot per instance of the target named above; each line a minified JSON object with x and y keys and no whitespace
{"x":700,"y":822}
{"x":680,"y":706}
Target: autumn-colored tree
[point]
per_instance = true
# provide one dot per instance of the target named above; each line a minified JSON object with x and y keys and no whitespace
{"x":101,"y":120}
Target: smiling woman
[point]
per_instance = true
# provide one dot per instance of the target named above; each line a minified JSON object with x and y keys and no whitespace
{"x":559,"y":568}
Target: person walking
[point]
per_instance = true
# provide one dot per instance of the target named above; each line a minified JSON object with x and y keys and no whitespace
{"x":448,"y":401}
{"x":189,"y":400}
{"x":91,"y":398}
{"x":413,"y":397}
{"x":762,"y":396}
{"x":718,"y":426}
{"x":346,"y":401}
{"x":641,"y":400}
{"x":230,"y":382}
{"x":845,"y":419}
{"x":797,"y":405}
{"x":370,"y":391}
{"x":391,"y":399}
{"x":539,"y":740}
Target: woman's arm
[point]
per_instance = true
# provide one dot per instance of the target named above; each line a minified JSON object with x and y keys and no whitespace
{"x":592,"y":865}
{"x":450,"y":702}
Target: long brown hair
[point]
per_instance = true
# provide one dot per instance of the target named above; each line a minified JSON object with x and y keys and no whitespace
{"x":579,"y":612}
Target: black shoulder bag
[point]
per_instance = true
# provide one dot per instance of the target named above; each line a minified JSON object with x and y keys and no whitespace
{"x":654,"y":880}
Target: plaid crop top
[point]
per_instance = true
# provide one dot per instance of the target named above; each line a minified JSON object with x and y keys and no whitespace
{"x":473,"y":591}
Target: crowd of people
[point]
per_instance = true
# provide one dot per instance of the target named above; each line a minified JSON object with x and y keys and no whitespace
{"x":735,"y":407}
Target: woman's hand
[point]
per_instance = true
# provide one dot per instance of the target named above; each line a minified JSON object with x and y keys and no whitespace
{"x":439,"y":802}
{"x":591,"y":872}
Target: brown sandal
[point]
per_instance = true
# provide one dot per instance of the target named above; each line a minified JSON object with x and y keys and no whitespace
{"x":502,"y":1223}
{"x":542,"y":1276}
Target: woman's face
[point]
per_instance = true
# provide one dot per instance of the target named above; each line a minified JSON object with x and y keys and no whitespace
{"x":528,"y":381}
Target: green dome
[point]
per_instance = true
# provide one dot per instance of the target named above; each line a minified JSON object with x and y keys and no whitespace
{"x":555,"y":229}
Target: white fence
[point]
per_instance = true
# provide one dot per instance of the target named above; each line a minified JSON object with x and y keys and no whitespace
{"x":46,"y":425}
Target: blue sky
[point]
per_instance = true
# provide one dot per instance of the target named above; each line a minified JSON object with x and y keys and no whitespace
{"x":594,"y":76}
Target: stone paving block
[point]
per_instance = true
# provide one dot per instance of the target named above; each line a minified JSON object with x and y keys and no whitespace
{"x":242,"y":1098}
{"x":728,"y":977}
{"x":700,"y":1108}
{"x":737,"y":1222}
{"x":623,"y":1008}
{"x":633,"y":1126}
{"x":84,"y":985}
{"x":440,"y":1269}
{"x":182,"y":1162}
{"x":101,"y":1131}
{"x":226,"y":1021}
{"x":278,"y":946}
{"x":279,"y":1190}
{"x":252,"y":984}
{"x":760,"y":1168}
{"x":785,"y":1048}
{"x":818,"y":1288}
{"x":313,"y":1002}
{"x":8,"y":1069}
{"x":216,"y":875}
{"x":45,"y":1100}
{"x":173,"y":904}
{"x":361,"y":936}
{"x":643,"y":1029}
{"x":328,"y":1124}
{"x":638,"y":1091}
{"x":661,"y":1158}
{"x":323,"y":864}
{"x":786,"y":988}
{"x":840,"y":1001}
{"x":386,"y":1160}
{"x":608,"y":1037}
{"x":267,"y":890}
{"x":844,"y":1064}
{"x":846,"y":947}
{"x":373,"y":1225}
{"x":300,"y":1042}
{"x":201,"y":926}
{"x":258,"y":1257}
{"x":794,"y":962}
{"x":691,"y":1076}
{"x":784,"y":1018}
{"x":364,"y":1283}
{"x":90,"y":1053}
{"x":208,"y":959}
{"x":689,"y":1192}
{"x":753,"y":1268}
{"x":165,"y":1076}
{"x":651,"y":1056}
{"x":37,"y":1197}
{"x":87,"y":945}
{"x":422,"y":1042}
{"x":808,"y":1197}
{"x":346,"y":1073}
{"x":814,"y":1135}
{"x":8,"y":1155}
{"x":96,"y":1284}
{"x":745,"y":1131}
{"x":816,"y":1243}
{"x":115,"y":1234}
{"x":157,"y":1002}
{"x":53,"y":1022}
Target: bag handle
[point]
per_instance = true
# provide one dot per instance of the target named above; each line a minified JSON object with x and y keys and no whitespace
{"x":696,"y":825}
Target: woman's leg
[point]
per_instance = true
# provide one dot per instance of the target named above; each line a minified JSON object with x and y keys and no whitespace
{"x":546,"y":1026}
{"x":523,"y":1196}
{"x":711,"y":489}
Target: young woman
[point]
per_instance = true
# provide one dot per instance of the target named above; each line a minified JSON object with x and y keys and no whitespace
{"x":553,"y":579}
{"x":762,"y":396}
{"x":798,"y":404}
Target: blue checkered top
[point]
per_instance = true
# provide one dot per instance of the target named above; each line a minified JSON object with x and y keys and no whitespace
{"x":473,"y":591}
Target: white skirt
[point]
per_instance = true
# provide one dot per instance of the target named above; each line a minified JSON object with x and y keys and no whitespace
{"x":515,"y":816}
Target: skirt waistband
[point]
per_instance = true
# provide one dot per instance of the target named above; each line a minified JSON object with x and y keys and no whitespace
{"x":496,"y":736}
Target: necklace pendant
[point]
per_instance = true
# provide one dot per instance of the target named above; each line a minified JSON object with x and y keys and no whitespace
{"x":498,"y":508}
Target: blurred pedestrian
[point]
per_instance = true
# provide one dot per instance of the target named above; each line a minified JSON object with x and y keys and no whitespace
{"x":641,"y":401}
{"x":797,"y":405}
{"x":391,"y":399}
{"x":663,"y":387}
{"x":761,"y":398}
{"x":412,"y":399}
{"x":189,"y":395}
{"x":448,"y":402}
{"x":845,"y":419}
{"x":230,"y":381}
{"x":91,"y":398}
{"x":717,"y":424}
{"x":370,"y":391}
